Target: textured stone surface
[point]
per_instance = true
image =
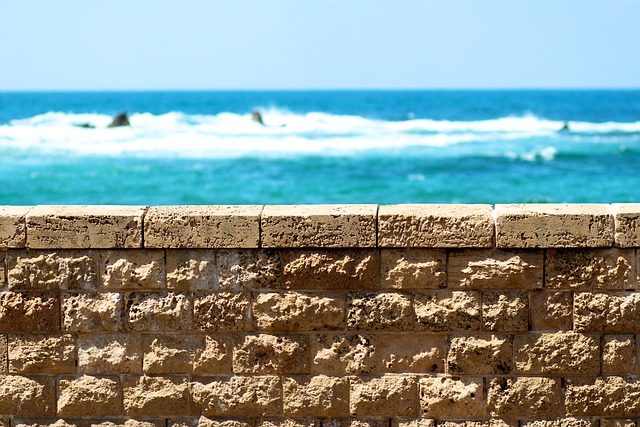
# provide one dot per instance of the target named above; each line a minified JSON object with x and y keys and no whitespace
{"x":454,"y":311}
{"x":288,"y":422}
{"x":442,"y":226}
{"x":161,"y":311}
{"x":336,"y":354}
{"x":495,"y":269}
{"x":42,"y":354}
{"x":252,"y":397}
{"x":29,"y":312}
{"x":27,"y":396}
{"x":551,"y":310}
{"x":505,"y":311}
{"x":156,"y":396}
{"x":419,"y":353}
{"x":3,"y":270}
{"x":627,"y":224}
{"x":388,"y":396}
{"x":489,"y":423}
{"x":267,"y":354}
{"x":617,"y":423}
{"x":448,"y":398}
{"x":617,"y":354}
{"x":413,"y":268}
{"x":39,"y":270}
{"x":207,"y":422}
{"x":557,"y":354}
{"x":93,"y":312}
{"x":118,"y":422}
{"x":132,"y":269}
{"x":387,"y":311}
{"x":480,"y":355}
{"x":525,"y":397}
{"x":191,"y":270}
{"x":222,"y":311}
{"x":610,"y":268}
{"x":606,"y":312}
{"x":553,"y":226}
{"x":87,"y":395}
{"x":213,"y":358}
{"x":202,"y":227}
{"x":295,"y":311}
{"x":336,"y":269}
{"x":109,"y":354}
{"x":607,"y":396}
{"x":13,"y":227}
{"x":248,"y":269}
{"x":565,"y":422}
{"x":3,"y":355}
{"x":420,"y":422}
{"x":320,"y":396}
{"x":184,"y":354}
{"x":75,"y":227}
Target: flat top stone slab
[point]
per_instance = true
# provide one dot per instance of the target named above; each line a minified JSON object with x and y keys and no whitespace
{"x":202,"y":227}
{"x":436,"y":226}
{"x":554,"y":225}
{"x":78,"y":227}
{"x":13,"y":227}
{"x":627,"y":222}
{"x":319,"y":226}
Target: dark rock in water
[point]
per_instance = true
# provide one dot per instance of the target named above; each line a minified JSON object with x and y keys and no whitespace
{"x":121,"y":119}
{"x":257,"y":117}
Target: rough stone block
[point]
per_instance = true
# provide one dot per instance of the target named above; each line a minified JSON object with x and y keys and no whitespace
{"x":202,"y":227}
{"x":213,"y":358}
{"x":27,"y":396}
{"x":3,"y":270}
{"x":606,"y":312}
{"x":13,"y":226}
{"x":319,"y":226}
{"x":29,"y":312}
{"x":557,"y":354}
{"x":387,"y":396}
{"x":525,"y":397}
{"x":480,"y":355}
{"x":326,"y":270}
{"x":184,"y":354}
{"x":3,"y":355}
{"x":449,"y":398}
{"x":42,"y":354}
{"x":295,"y":311}
{"x":610,"y":268}
{"x":191,"y":270}
{"x":488,"y":423}
{"x":156,"y":396}
{"x":617,"y":354}
{"x":605,"y":396}
{"x":75,"y":227}
{"x":440,"y":311}
{"x":355,"y":422}
{"x":119,"y":422}
{"x":40,"y":270}
{"x":617,"y":423}
{"x":288,"y":422}
{"x":564,"y":422}
{"x":270,"y":354}
{"x":553,"y":226}
{"x":495,"y":269}
{"x":89,"y":396}
{"x":320,"y":396}
{"x":388,"y":311}
{"x":420,"y":422}
{"x":413,"y":268}
{"x":410,"y":353}
{"x":336,"y":354}
{"x":132,"y":270}
{"x":436,"y":226}
{"x":207,"y":422}
{"x":551,"y":310}
{"x":505,"y":311}
{"x":159,"y":311}
{"x":93,"y":312}
{"x":238,"y":396}
{"x":109,"y":354}
{"x":223,"y":311}
{"x":248,"y":269}
{"x":627,"y":224}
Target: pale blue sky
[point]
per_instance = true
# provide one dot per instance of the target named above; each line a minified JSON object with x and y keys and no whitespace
{"x":318,"y":44}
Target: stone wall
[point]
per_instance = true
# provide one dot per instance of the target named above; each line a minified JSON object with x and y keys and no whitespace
{"x":320,"y":316}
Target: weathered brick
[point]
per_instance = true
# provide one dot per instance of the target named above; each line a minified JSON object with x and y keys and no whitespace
{"x":270,"y":354}
{"x":89,"y":396}
{"x":27,"y":396}
{"x":488,"y":423}
{"x":551,"y":310}
{"x":419,"y":422}
{"x":563,"y":422}
{"x":480,"y":355}
{"x":248,"y":269}
{"x":356,"y":422}
{"x":336,"y":354}
{"x":525,"y":397}
{"x":584,"y":269}
{"x":605,"y":396}
{"x":159,"y":311}
{"x":606,"y":312}
{"x":223,"y":311}
{"x":207,"y":422}
{"x":215,"y":357}
{"x":29,"y":312}
{"x":3,"y":270}
{"x":320,"y":396}
{"x":184,"y":354}
{"x":419,"y":353}
{"x":156,"y":396}
{"x":288,"y":422}
{"x":132,"y":269}
{"x":191,"y":270}
{"x":617,"y":354}
{"x":13,"y":226}
{"x":93,"y":312}
{"x":627,"y":224}
{"x":413,"y":268}
{"x":505,"y":311}
{"x":295,"y":311}
{"x":617,"y":423}
{"x":40,"y":270}
{"x":388,"y":311}
{"x":387,"y":396}
{"x":109,"y":354}
{"x":4,"y":357}
{"x":42,"y":354}
{"x":439,"y":311}
{"x":119,"y":422}
{"x":44,"y":422}
{"x":448,"y":398}
{"x":238,"y":396}
{"x":557,"y":354}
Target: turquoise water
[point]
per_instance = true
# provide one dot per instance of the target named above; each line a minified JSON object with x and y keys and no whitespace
{"x":321,"y":147}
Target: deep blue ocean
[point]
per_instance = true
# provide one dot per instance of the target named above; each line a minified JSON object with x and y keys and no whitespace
{"x":320,"y":147}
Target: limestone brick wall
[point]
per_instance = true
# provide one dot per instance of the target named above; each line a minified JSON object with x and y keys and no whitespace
{"x":320,"y":316}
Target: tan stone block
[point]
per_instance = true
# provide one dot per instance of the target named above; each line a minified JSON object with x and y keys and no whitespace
{"x":203,"y":227}
{"x":605,"y":396}
{"x":3,"y":355}
{"x":238,"y":396}
{"x":159,"y":311}
{"x":92,"y":312}
{"x":132,"y":269}
{"x":3,"y":270}
{"x":29,"y":312}
{"x":525,"y":397}
{"x":270,"y":354}
{"x":617,"y":423}
{"x":448,"y":398}
{"x":46,"y":422}
{"x":119,"y":422}
{"x":617,"y":354}
{"x":244,"y":269}
{"x":480,"y":355}
{"x":387,"y":396}
{"x":413,"y":268}
{"x":627,"y":220}
{"x":336,"y":354}
{"x":505,"y":311}
{"x":557,"y":354}
{"x":319,"y":226}
{"x":440,"y":311}
{"x":357,"y":422}
{"x":156,"y":396}
{"x":320,"y":396}
{"x":213,"y":358}
{"x":27,"y":396}
{"x":387,"y":311}
{"x":436,"y":226}
{"x":89,"y":396}
{"x":223,"y":311}
{"x":488,"y":423}
{"x":420,"y":422}
{"x":40,"y":270}
{"x":610,"y":268}
{"x":42,"y":354}
{"x":563,"y":422}
{"x":5,"y":422}
{"x":207,"y":422}
{"x":13,"y":226}
{"x":606,"y":312}
{"x":109,"y":354}
{"x":191,"y":270}
{"x":495,"y":269}
{"x":295,"y":311}
{"x":553,"y":226}
{"x":551,"y":310}
{"x":74,"y":227}
{"x":407,"y":353}
{"x":348,"y":269}
{"x":288,"y":422}
{"x":184,"y":354}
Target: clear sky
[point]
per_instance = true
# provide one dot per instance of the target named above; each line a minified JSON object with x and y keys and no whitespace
{"x":318,"y":44}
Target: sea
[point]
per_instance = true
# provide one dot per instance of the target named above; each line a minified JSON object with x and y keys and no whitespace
{"x":382,"y":147}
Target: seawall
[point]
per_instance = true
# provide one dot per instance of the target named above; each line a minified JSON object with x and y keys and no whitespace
{"x":320,"y":316}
